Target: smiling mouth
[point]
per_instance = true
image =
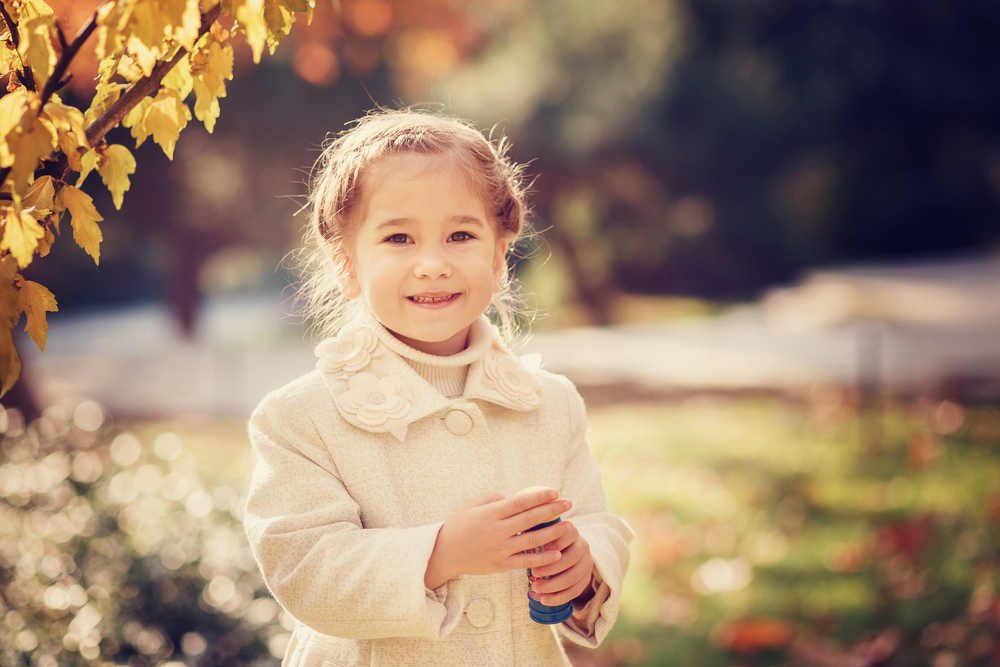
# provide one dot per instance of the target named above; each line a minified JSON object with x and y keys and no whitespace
{"x":432,"y":299}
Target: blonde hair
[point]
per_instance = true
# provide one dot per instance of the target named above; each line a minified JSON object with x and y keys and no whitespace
{"x":337,"y":192}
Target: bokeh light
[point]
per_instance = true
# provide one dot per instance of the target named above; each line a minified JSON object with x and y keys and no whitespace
{"x":97,"y":533}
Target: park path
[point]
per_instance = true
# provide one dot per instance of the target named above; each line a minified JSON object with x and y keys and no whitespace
{"x":912,"y":325}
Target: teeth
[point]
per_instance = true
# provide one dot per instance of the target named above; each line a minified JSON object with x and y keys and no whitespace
{"x":427,"y":299}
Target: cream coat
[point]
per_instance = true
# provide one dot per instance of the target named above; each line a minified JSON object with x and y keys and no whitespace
{"x":344,"y":510}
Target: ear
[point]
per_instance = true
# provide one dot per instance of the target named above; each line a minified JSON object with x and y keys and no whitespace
{"x":499,"y":265}
{"x":347,"y":277}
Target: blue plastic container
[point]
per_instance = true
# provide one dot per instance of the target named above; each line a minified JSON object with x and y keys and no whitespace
{"x":541,"y":613}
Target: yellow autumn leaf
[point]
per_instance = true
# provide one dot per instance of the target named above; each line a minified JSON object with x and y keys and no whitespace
{"x":9,"y":312}
{"x":33,"y":142}
{"x":13,"y":106}
{"x":109,"y":39}
{"x":87,"y":164}
{"x":279,"y":22}
{"x":27,"y":9}
{"x":149,"y":22}
{"x":21,"y":233}
{"x":136,"y":119}
{"x":145,"y":57}
{"x":172,"y":11}
{"x":86,"y":233}
{"x":107,"y":92}
{"x":148,"y":27}
{"x":250,"y":16}
{"x":115,"y":172}
{"x":206,"y":106}
{"x":297,"y":6}
{"x":35,"y":300}
{"x":50,"y":128}
{"x":187,"y":26}
{"x":113,"y":29}
{"x":128,"y":68}
{"x":121,"y":14}
{"x":66,"y":118}
{"x":179,"y":78}
{"x":166,"y":117}
{"x":44,"y":243}
{"x":72,"y":149}
{"x":33,"y":8}
{"x":218,"y":33}
{"x":8,"y":55}
{"x":36,"y":49}
{"x":72,"y":135}
{"x":214,"y":65}
{"x":10,"y":361}
{"x":40,"y":194}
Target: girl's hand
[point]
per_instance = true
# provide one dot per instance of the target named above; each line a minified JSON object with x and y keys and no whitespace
{"x":481,"y":537}
{"x":570,"y":575}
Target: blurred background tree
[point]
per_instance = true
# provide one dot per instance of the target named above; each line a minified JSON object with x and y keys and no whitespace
{"x":715,"y":147}
{"x":689,"y":147}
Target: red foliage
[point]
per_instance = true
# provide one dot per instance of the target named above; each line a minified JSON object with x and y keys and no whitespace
{"x":908,"y":536}
{"x":752,"y":635}
{"x":991,"y":508}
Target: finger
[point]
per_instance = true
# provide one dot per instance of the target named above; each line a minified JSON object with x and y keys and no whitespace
{"x":562,"y":597}
{"x":562,"y":543}
{"x":522,"y":502}
{"x":530,"y":560}
{"x":528,"y":519}
{"x":565,"y":586}
{"x":537,"y":538}
{"x":570,"y":557}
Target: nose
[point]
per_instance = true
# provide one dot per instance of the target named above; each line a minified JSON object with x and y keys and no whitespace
{"x":432,"y":262}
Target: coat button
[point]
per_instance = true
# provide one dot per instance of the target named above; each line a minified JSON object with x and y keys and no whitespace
{"x":479,"y":612}
{"x":458,"y":422}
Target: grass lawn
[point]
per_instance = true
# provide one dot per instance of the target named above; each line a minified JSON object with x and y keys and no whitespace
{"x":765,"y":535}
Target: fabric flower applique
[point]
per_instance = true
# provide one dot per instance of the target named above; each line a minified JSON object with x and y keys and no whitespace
{"x":504,"y":374}
{"x":373,"y":401}
{"x":349,"y":351}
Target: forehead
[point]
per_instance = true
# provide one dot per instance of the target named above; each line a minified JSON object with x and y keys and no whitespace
{"x":411,"y":181}
{"x":412,"y":165}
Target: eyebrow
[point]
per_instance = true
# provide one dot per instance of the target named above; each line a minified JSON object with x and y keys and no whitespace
{"x":458,"y":219}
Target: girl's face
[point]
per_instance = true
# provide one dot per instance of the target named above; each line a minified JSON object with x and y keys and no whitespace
{"x":424,"y":255}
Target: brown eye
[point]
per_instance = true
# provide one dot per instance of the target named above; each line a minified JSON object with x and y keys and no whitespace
{"x":398,"y":239}
{"x":461,"y":236}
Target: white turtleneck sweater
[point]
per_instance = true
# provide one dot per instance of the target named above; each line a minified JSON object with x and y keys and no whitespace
{"x":446,"y":374}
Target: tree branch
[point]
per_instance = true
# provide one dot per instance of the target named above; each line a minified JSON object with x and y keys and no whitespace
{"x":55,"y":81}
{"x":62,"y":39}
{"x":27,"y":78}
{"x":58,"y":166}
{"x":144,"y":86}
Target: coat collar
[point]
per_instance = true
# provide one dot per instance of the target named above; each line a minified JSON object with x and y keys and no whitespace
{"x":376,"y":390}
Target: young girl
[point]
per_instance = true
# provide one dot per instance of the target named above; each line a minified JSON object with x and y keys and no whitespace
{"x":383,"y":509}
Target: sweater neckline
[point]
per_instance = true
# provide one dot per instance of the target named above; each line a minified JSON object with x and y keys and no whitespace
{"x":480,"y":339}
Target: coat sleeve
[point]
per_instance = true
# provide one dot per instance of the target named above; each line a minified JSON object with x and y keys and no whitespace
{"x":608,"y":535}
{"x":317,"y":559}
